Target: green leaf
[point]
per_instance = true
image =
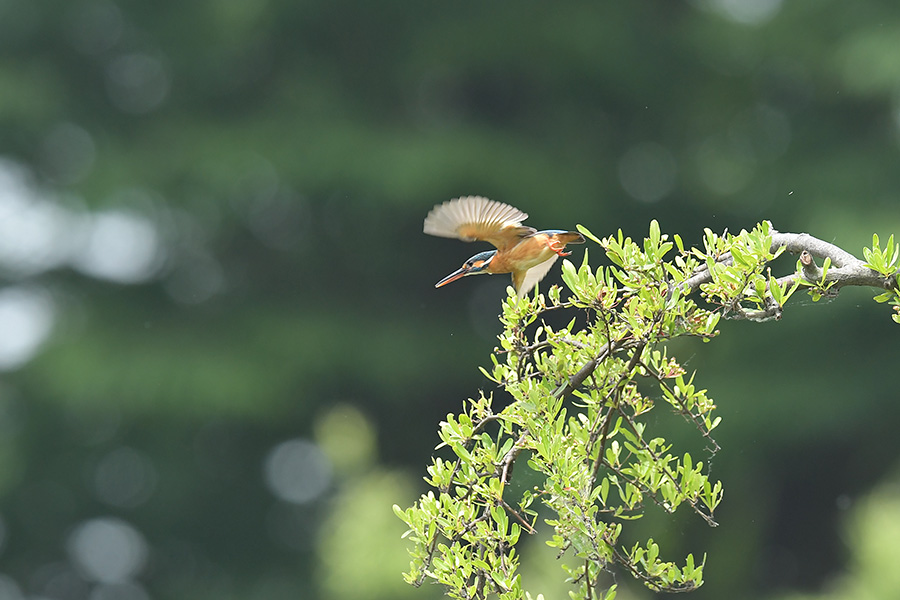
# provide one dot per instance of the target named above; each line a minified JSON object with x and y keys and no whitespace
{"x":586,"y":233}
{"x":654,"y":233}
{"x":569,"y":275}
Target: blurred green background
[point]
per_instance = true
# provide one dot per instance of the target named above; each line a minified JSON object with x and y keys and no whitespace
{"x":222,"y":355}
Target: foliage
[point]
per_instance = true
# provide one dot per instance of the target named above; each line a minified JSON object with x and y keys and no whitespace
{"x":580,"y":398}
{"x":886,"y":262}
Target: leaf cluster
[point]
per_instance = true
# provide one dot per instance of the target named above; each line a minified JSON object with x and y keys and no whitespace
{"x":886,"y":262}
{"x":574,"y":409}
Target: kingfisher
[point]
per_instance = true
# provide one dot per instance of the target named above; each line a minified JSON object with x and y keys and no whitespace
{"x":521,"y":250}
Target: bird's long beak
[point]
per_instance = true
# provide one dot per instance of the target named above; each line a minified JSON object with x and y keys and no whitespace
{"x":458,"y":274}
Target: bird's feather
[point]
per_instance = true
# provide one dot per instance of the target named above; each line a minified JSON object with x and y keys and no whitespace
{"x":473,"y":218}
{"x":524,"y":281}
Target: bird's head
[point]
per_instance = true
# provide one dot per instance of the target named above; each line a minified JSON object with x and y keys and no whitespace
{"x":474,"y":266}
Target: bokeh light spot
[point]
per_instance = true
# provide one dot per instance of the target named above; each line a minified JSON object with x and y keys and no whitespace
{"x":35,"y":234}
{"x":124,"y":478}
{"x":722,"y":167}
{"x":95,"y":26}
{"x":57,"y":579}
{"x":280,"y":221}
{"x":9,"y":589}
{"x":346,"y":437}
{"x":137,"y":83}
{"x":67,"y":153}
{"x":119,"y":591}
{"x":297,"y":471}
{"x":375,"y":558}
{"x":120,"y":246}
{"x":762,"y":132}
{"x":26,"y":320}
{"x":647,"y":172}
{"x":196,"y":279}
{"x":747,"y":12}
{"x":867,"y":60}
{"x":107,"y":550}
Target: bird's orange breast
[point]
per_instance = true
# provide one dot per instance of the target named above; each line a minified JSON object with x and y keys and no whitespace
{"x":528,"y":253}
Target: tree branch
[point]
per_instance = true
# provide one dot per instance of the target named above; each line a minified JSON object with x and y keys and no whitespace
{"x":846,"y":269}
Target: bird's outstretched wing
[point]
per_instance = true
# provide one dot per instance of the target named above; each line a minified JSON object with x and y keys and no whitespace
{"x":473,"y":218}
{"x":524,"y":281}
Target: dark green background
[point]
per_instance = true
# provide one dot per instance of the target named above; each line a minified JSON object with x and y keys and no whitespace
{"x":283,"y":155}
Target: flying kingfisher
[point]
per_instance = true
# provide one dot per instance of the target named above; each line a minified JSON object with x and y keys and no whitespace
{"x":521,"y":250}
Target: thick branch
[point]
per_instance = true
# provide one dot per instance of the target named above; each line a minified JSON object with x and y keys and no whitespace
{"x":845,"y":270}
